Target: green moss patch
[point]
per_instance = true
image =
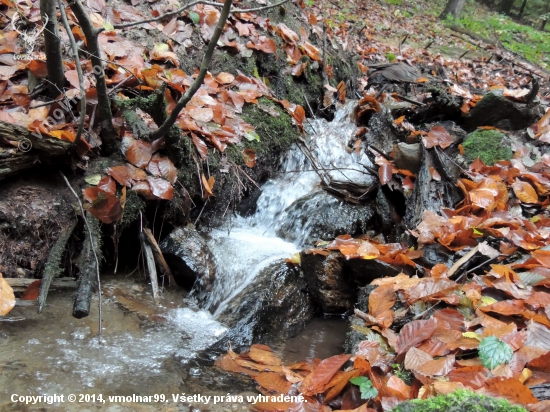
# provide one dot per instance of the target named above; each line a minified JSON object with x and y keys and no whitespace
{"x":488,"y":145}
{"x":460,"y":401}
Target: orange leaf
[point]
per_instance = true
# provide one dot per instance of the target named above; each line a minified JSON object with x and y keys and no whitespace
{"x":263,"y":354}
{"x":543,"y":256}
{"x":511,"y":389}
{"x":381,"y":299}
{"x":249,"y":157}
{"x":525,"y":192}
{"x":208,"y":185}
{"x":438,"y":136}
{"x":274,"y":382}
{"x":323,"y":373}
{"x":414,"y":333}
{"x":7,"y":298}
{"x":32,"y":291}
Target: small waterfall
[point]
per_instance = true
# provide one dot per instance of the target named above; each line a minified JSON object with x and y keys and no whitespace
{"x":250,"y":244}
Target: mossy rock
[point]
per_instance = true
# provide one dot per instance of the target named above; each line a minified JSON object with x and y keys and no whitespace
{"x":489,"y":145}
{"x":459,"y":401}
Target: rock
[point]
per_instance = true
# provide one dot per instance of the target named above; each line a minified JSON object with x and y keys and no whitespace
{"x":190,"y":259}
{"x":382,"y":132}
{"x":274,"y":307}
{"x":330,"y":288}
{"x":393,"y":72}
{"x":435,"y":253}
{"x":408,"y":156}
{"x":498,"y":111}
{"x":321,"y":216}
{"x":332,"y":280}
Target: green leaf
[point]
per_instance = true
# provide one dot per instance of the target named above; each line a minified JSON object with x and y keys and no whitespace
{"x":108,"y":26}
{"x":93,"y":179}
{"x":365,"y":386}
{"x":252,"y":135}
{"x":194,"y":17}
{"x":494,"y":352}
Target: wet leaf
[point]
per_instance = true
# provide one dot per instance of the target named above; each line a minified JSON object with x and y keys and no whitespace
{"x":7,"y":298}
{"x":32,"y":291}
{"x":414,"y":333}
{"x":525,"y":192}
{"x":160,"y":188}
{"x":323,"y":373}
{"x":137,"y":152}
{"x":381,"y":299}
{"x":106,"y":207}
{"x":127,"y":174}
{"x":263,"y":354}
{"x":208,"y":185}
{"x":438,"y":136}
{"x":249,"y":156}
{"x":273,"y":382}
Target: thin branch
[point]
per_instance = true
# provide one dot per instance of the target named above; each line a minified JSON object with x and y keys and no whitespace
{"x":93,"y":248}
{"x":189,"y":5}
{"x":78,"y":71}
{"x":182,"y":102}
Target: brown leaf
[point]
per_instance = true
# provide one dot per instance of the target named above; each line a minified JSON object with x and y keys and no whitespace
{"x":437,"y":367}
{"x":438,"y":136}
{"x":160,"y":188}
{"x":225,"y":78}
{"x":106,"y":208}
{"x":414,"y":333}
{"x":208,"y":185}
{"x":226,"y":363}
{"x":137,"y":152}
{"x":72,"y":77}
{"x":7,"y":298}
{"x":323,"y":373}
{"x":338,"y":382}
{"x":263,"y":354}
{"x":249,"y":156}
{"x":32,"y":291}
{"x":525,"y":192}
{"x":509,"y":388}
{"x":107,"y":185}
{"x":126,"y":174}
{"x":381,"y":299}
{"x":274,"y":382}
{"x":430,"y":288}
{"x":202,"y":114}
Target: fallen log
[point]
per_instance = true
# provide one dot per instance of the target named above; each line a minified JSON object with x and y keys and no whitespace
{"x":25,"y":149}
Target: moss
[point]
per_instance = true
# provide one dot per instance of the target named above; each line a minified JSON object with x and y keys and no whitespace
{"x":154,"y":104}
{"x":134,"y":205}
{"x":225,"y":61}
{"x":488,"y":145}
{"x":459,"y":401}
{"x":276,"y":133}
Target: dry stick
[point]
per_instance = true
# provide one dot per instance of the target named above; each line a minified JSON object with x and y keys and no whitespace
{"x":105,"y":115}
{"x":182,"y":102}
{"x":149,"y":259}
{"x":412,"y":101}
{"x":46,"y":103}
{"x":189,"y":5}
{"x":93,"y":250}
{"x":429,"y":44}
{"x":381,"y":153}
{"x":464,"y":54}
{"x":78,"y":71}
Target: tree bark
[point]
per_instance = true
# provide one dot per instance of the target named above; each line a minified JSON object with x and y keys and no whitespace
{"x":522,"y":9}
{"x":52,"y":44}
{"x":453,"y":8}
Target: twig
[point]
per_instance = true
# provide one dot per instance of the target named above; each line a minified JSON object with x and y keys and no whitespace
{"x":182,"y":102}
{"x":408,"y":99}
{"x":381,"y":153}
{"x":93,"y":249}
{"x":464,"y":54}
{"x":189,"y":5}
{"x":78,"y":71}
{"x":477,"y":267}
{"x":46,"y":103}
{"x":381,"y":91}
{"x":310,"y":109}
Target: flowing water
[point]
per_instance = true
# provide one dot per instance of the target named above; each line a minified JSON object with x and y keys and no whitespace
{"x":251,"y":243}
{"x":146,"y":350}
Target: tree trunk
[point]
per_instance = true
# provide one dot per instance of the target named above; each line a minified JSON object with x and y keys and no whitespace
{"x":522,"y":9}
{"x":453,"y":8}
{"x":52,"y":44}
{"x":506,"y":6}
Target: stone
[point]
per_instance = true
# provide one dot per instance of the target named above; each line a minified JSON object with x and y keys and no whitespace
{"x":408,"y":156}
{"x":320,"y":215}
{"x":330,"y":288}
{"x":496,"y":110}
{"x":274,"y":307}
{"x":190,"y":259}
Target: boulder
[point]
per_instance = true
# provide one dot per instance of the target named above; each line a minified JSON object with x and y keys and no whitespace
{"x":321,"y":216}
{"x":498,"y":111}
{"x":408,"y":156}
{"x":274,"y":307}
{"x":190,"y":259}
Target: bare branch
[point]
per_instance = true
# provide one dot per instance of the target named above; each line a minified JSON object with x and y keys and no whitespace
{"x":182,"y":102}
{"x":78,"y":71}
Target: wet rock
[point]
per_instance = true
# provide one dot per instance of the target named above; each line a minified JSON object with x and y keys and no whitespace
{"x":190,"y":259}
{"x":382,"y":132}
{"x":274,"y":307}
{"x":408,"y":156}
{"x":321,"y":216}
{"x":332,"y":280}
{"x":436,"y":253}
{"x":330,"y":288}
{"x":498,"y":111}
